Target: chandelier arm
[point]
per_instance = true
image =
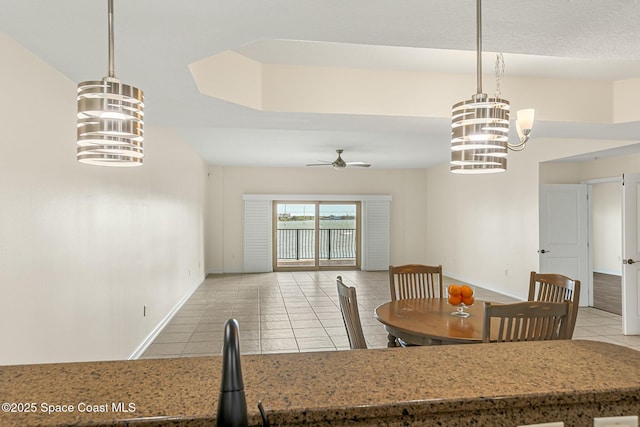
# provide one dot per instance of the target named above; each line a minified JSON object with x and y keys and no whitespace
{"x":112,"y":72}
{"x":518,"y":147}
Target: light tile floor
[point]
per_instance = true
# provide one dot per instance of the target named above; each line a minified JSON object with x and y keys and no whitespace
{"x":299,"y":312}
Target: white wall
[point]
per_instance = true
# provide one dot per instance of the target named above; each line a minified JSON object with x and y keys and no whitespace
{"x":559,"y":173}
{"x":482,"y":228}
{"x":485,"y":230}
{"x":226,"y":186}
{"x":84,"y":248}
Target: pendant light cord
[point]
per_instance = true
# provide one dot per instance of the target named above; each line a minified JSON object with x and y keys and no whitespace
{"x":479,"y":43}
{"x":499,"y":73}
{"x":110,"y":126}
{"x":112,"y":72}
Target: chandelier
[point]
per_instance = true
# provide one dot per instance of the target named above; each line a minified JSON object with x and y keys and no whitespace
{"x":480,"y":126}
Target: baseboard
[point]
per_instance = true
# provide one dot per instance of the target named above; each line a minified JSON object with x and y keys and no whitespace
{"x":236,"y":271}
{"x":139,"y":351}
{"x":483,"y":285}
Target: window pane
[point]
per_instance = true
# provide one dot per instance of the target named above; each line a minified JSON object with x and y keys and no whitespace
{"x":337,"y":235}
{"x":295,"y":235}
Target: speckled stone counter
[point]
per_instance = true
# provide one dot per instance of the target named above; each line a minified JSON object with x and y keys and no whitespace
{"x":458,"y":385}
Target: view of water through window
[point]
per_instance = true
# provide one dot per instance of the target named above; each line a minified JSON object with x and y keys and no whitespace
{"x":297,"y":233}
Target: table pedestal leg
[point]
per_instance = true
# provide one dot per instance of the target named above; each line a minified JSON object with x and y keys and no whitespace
{"x":391,"y":341}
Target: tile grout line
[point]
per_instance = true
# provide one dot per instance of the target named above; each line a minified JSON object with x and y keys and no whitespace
{"x":315,"y":288}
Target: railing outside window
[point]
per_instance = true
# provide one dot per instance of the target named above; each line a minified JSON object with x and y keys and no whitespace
{"x":298,"y":243}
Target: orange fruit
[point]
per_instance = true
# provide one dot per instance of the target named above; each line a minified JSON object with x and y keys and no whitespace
{"x":454,"y":290}
{"x":466,"y":291}
{"x":455,"y":299}
{"x":468,"y":300}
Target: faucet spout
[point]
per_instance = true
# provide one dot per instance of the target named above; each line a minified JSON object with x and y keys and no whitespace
{"x":232,"y":405}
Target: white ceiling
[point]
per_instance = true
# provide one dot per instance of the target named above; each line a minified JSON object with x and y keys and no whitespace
{"x":156,"y":40}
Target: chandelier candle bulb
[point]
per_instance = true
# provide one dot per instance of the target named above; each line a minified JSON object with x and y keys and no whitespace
{"x":524,"y":124}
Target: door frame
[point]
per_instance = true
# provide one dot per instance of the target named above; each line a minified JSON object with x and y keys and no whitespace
{"x":375,"y":239}
{"x":590,"y":183}
{"x":630,"y":248}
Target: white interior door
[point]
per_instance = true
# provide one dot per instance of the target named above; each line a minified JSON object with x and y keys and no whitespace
{"x":630,"y":254}
{"x":564,"y":233}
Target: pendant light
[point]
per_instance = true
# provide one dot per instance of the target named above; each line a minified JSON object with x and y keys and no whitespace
{"x":480,"y":126}
{"x":110,"y":118}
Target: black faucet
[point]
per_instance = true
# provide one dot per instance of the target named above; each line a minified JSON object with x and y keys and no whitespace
{"x":232,"y":405}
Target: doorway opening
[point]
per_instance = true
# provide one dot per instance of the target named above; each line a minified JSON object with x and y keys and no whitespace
{"x":606,"y":244}
{"x":627,"y":224}
{"x":316,"y":235}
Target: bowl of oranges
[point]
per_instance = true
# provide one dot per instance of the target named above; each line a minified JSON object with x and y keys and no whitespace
{"x":460,"y":296}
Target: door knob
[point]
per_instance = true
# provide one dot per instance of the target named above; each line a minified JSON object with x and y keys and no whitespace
{"x":543,"y":251}
{"x":628,"y":261}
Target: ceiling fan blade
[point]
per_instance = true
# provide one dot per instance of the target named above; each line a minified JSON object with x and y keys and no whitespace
{"x":339,"y":163}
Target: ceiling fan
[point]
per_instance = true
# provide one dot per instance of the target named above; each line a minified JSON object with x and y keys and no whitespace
{"x":341,"y":164}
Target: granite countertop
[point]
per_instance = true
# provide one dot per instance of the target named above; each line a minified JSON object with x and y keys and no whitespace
{"x":326,"y":387}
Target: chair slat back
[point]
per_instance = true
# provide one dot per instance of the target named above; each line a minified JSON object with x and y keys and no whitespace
{"x":350,"y":315}
{"x":556,"y":288}
{"x":415,"y":281}
{"x":526,"y":321}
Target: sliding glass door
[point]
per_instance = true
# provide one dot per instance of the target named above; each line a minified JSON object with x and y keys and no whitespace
{"x":295,"y":235}
{"x":316,"y":235}
{"x":338,"y":231}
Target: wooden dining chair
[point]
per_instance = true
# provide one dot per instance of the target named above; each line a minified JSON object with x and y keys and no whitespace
{"x":526,"y":321}
{"x":350,"y":315}
{"x":415,"y":281}
{"x":556,"y":288}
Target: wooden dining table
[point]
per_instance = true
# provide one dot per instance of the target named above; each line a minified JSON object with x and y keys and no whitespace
{"x":428,"y":321}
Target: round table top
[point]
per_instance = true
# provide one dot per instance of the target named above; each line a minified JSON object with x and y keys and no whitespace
{"x":423,"y":319}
